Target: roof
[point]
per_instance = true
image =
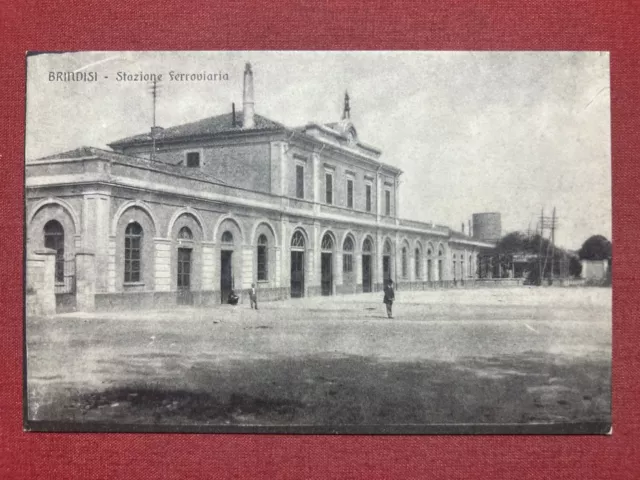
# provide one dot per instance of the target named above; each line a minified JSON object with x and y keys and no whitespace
{"x":205,"y":127}
{"x":92,"y":152}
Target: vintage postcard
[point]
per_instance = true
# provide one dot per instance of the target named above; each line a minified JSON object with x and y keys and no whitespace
{"x":318,"y":242}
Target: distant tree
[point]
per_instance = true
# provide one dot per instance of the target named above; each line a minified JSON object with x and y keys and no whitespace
{"x":575,"y":266}
{"x":595,"y":247}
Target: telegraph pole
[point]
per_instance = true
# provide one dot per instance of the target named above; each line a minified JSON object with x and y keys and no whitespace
{"x":540,"y":272}
{"x":553,"y":245}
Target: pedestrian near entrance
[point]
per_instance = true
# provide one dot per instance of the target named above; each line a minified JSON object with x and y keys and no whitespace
{"x":253,"y":296}
{"x":389,"y":297}
{"x":233,"y":298}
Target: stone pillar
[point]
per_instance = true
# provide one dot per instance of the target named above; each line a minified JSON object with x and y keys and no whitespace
{"x":208,"y":266}
{"x":111,"y":265}
{"x":285,"y":255}
{"x":396,"y":198}
{"x":95,"y":236}
{"x":316,"y":179}
{"x":247,"y":267}
{"x":45,"y":291}
{"x":85,"y":281}
{"x":163,"y":264}
{"x":278,"y":266}
{"x":379,"y":192}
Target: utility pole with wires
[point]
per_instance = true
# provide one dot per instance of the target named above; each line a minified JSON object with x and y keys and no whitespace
{"x":547,"y":223}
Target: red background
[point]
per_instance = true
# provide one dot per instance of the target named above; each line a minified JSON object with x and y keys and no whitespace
{"x":321,"y":24}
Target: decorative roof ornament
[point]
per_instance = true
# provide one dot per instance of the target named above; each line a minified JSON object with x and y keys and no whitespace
{"x":346,"y":112}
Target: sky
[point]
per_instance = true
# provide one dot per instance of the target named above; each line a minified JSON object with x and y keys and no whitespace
{"x":510,"y":132}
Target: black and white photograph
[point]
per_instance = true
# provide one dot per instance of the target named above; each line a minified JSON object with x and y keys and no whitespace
{"x":366,"y":242}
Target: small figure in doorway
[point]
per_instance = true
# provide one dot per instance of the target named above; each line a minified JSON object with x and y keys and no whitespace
{"x":389,"y":297}
{"x":253,"y":296}
{"x":233,"y":298}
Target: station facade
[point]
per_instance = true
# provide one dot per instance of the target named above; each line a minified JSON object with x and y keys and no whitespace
{"x":186,"y":214}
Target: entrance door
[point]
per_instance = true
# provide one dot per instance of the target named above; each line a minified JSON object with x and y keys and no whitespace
{"x":386,"y":268}
{"x":226,"y":275}
{"x":185,"y":296}
{"x":366,"y":273}
{"x":327,"y":274}
{"x":297,"y":274}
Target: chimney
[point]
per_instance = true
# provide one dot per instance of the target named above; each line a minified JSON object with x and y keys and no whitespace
{"x":469,"y":228}
{"x":248,"y":120}
{"x":233,"y":115}
{"x":462,"y":227}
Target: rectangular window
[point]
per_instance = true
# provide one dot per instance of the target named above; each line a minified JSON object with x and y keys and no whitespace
{"x":368,"y":197}
{"x":299,"y":181}
{"x":347,"y":263}
{"x":262,"y":263}
{"x":328,"y":181}
{"x":349,"y":192}
{"x":193,"y":159}
{"x":387,"y":202}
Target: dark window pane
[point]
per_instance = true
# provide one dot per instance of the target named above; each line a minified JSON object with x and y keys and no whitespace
{"x":329,"y":188}
{"x":299,"y":181}
{"x":368,"y":200}
{"x":193,"y":159}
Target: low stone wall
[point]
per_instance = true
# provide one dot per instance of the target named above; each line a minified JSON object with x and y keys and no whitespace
{"x":123,"y":301}
{"x":498,"y":282}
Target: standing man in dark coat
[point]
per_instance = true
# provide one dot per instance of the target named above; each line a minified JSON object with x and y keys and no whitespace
{"x":389,"y":297}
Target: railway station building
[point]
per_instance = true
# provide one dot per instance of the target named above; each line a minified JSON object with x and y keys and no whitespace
{"x":185,"y":214}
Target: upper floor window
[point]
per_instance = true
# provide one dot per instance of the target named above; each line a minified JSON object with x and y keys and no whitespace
{"x":367,"y":190}
{"x":132,"y":253}
{"x":387,"y":202}
{"x":350,"y":192}
{"x":328,"y":184}
{"x":300,"y":181}
{"x":193,"y":159}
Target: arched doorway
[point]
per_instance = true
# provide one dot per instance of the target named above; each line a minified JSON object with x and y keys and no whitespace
{"x":367,"y":252}
{"x":54,"y":239}
{"x":429,"y":265}
{"x":297,"y":264}
{"x":386,"y":262}
{"x":440,"y":264}
{"x":226,"y":265}
{"x":184,"y":268}
{"x":326,"y":264}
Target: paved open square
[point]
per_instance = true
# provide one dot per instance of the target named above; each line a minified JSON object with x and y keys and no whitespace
{"x":458,"y":356}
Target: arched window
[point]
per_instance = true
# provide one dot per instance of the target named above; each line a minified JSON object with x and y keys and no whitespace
{"x":54,"y":239}
{"x":263,"y":263}
{"x":404,"y":262}
{"x":367,"y":246}
{"x":327,"y":243}
{"x":418,"y":260}
{"x":462,"y":265}
{"x":133,"y":253}
{"x":470,"y":266}
{"x":227,"y":237}
{"x":297,"y":241}
{"x":185,"y":234}
{"x":347,"y":255}
{"x":387,"y":248}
